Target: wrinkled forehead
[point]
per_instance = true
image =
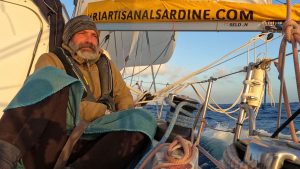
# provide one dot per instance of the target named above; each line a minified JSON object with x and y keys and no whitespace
{"x":88,"y":31}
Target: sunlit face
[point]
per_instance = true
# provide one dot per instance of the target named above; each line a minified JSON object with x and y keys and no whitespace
{"x":85,"y":44}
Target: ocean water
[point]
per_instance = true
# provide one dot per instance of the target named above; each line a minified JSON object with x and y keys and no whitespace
{"x":215,"y":141}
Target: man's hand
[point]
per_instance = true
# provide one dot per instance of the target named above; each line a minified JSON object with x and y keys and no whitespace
{"x":108,"y":101}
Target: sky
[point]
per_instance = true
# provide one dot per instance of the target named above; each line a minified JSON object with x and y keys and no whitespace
{"x":195,"y":50}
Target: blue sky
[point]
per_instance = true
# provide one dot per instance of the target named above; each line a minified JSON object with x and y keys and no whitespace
{"x":197,"y":49}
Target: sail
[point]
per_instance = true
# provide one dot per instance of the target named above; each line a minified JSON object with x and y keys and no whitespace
{"x":138,"y":48}
{"x":187,"y":15}
{"x":25,"y":35}
{"x":184,"y":11}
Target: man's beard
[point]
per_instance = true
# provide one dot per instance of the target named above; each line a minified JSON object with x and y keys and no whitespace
{"x":87,"y":55}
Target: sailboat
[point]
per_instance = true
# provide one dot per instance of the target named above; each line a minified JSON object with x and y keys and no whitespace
{"x":141,"y":34}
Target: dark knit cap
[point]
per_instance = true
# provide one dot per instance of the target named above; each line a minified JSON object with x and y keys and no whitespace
{"x":76,"y":24}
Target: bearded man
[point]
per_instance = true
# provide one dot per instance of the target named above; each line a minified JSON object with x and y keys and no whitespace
{"x":40,"y":130}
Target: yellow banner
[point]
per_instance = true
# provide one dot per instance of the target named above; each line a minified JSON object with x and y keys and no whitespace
{"x":128,"y":11}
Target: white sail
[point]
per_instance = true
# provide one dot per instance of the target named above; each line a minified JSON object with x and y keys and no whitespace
{"x":131,"y":48}
{"x":21,"y":25}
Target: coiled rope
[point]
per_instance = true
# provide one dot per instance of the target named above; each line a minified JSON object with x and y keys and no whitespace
{"x":190,"y":152}
{"x":182,"y":161}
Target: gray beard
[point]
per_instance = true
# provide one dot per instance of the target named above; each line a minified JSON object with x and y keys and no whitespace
{"x":86,"y":55}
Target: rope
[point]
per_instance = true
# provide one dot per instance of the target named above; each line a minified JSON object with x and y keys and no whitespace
{"x":182,"y":161}
{"x":221,"y":77}
{"x":292,"y":35}
{"x":180,"y":81}
{"x":148,"y":156}
{"x":154,"y":82}
{"x":185,"y":120}
{"x":136,"y":53}
{"x":245,"y":51}
{"x":270,"y":91}
{"x":292,"y":31}
{"x":219,"y":109}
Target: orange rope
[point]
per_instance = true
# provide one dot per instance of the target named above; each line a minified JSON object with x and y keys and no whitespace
{"x":292,"y":35}
{"x":189,"y":153}
{"x":178,"y":143}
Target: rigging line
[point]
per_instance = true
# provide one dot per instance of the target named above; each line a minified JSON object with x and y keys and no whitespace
{"x":217,"y":78}
{"x":274,"y":59}
{"x":124,"y":58}
{"x":152,"y":69}
{"x":155,"y":77}
{"x":242,"y":53}
{"x":231,"y":74}
{"x":160,"y":66}
{"x":219,"y":109}
{"x":280,"y":2}
{"x":123,"y":52}
{"x":166,"y":48}
{"x":157,"y":72}
{"x":205,"y":68}
{"x":140,"y":58}
{"x":151,"y":82}
{"x":116,"y":47}
{"x":136,"y":53}
{"x":291,"y":53}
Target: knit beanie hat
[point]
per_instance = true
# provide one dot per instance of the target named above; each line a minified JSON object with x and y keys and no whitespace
{"x":76,"y":24}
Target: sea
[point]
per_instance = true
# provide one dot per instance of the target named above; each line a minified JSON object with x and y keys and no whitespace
{"x":217,"y":137}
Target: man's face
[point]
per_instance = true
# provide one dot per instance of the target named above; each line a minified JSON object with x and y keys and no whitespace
{"x":85,"y":44}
